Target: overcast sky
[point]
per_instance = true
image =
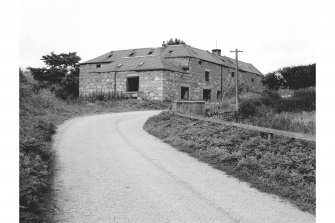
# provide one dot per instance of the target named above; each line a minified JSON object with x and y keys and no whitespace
{"x":272,"y":34}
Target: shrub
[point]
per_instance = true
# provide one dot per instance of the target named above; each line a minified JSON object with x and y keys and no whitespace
{"x":103,"y":96}
{"x":61,"y":74}
{"x":302,"y":100}
{"x":270,"y":98}
{"x":303,"y":122}
{"x":293,"y":77}
{"x":248,"y":108}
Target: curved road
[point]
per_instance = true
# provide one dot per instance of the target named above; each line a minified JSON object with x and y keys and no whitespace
{"x":111,"y":170}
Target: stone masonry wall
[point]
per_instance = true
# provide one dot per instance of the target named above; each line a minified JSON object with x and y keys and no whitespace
{"x":194,"y":79}
{"x":87,"y":81}
{"x":166,"y":85}
{"x":150,"y":83}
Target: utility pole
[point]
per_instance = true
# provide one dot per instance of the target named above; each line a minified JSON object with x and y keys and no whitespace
{"x":236,"y":51}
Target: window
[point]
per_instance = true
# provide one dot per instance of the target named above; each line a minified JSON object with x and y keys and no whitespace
{"x":232,"y":74}
{"x":184,"y":94}
{"x":200,"y":62}
{"x":110,"y":55}
{"x":98,"y":65}
{"x":252,"y":80}
{"x":132,"y":84}
{"x":150,"y":52}
{"x":206,"y":94}
{"x":218,"y":95}
{"x":206,"y":75}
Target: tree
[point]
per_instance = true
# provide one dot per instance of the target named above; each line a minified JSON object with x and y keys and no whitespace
{"x":294,"y":77}
{"x":274,"y":81}
{"x":174,"y":42}
{"x":61,"y":74}
{"x":299,"y":76}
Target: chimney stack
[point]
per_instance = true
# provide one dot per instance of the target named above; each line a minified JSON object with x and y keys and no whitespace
{"x":216,"y":52}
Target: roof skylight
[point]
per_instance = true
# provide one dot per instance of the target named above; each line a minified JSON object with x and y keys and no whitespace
{"x":150,"y":52}
{"x":141,"y":64}
{"x":119,"y":65}
{"x":132,"y":53}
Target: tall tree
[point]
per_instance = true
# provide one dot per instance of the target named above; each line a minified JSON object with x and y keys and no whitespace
{"x":294,"y":77}
{"x":299,"y":76}
{"x":274,"y":81}
{"x":61,"y":73}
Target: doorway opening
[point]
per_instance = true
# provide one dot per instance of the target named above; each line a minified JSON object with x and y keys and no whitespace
{"x":184,"y":93}
{"x":218,"y":95}
{"x":132,"y":84}
{"x":207,"y":94}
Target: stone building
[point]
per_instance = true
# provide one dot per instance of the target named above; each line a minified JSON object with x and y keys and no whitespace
{"x":172,"y":72}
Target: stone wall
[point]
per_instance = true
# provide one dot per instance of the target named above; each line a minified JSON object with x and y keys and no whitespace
{"x":253,"y":81}
{"x":166,"y":85}
{"x":194,"y":79}
{"x":150,"y":83}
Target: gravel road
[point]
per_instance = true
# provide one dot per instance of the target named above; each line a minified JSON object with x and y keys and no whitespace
{"x":110,"y":170}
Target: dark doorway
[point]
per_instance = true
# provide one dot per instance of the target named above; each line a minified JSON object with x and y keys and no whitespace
{"x":184,"y":93}
{"x":218,"y":95}
{"x":207,"y":94}
{"x":132,"y":83}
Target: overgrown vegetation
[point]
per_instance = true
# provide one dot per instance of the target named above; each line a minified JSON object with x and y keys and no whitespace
{"x":295,"y":113}
{"x":282,"y":166}
{"x":294,"y":77}
{"x":289,"y":110}
{"x":61,"y":74}
{"x":40,"y":114}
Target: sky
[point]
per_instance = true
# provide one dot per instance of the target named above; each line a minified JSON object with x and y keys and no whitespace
{"x":271,"y":34}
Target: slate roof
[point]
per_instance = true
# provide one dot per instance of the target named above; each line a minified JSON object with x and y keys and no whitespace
{"x":139,"y":63}
{"x":241,"y":65}
{"x":154,"y":58}
{"x":116,"y":55}
{"x":187,"y":51}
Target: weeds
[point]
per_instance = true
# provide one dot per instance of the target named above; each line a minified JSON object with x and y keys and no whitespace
{"x":303,"y":122}
{"x":283,"y":167}
{"x":286,"y":110}
{"x":103,"y":96}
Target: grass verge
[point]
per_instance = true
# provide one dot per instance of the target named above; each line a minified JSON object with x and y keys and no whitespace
{"x":302,"y":122}
{"x":282,"y":166}
{"x":285,"y":109}
{"x":40,"y":114}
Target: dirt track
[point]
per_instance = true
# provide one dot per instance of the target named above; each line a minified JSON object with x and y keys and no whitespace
{"x":111,"y":170}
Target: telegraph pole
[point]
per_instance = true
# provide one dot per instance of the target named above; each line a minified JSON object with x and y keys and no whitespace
{"x":236,"y":51}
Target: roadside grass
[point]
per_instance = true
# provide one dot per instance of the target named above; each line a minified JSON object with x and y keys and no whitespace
{"x":282,"y":166}
{"x":284,"y":109}
{"x":303,"y":122}
{"x":40,"y":114}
